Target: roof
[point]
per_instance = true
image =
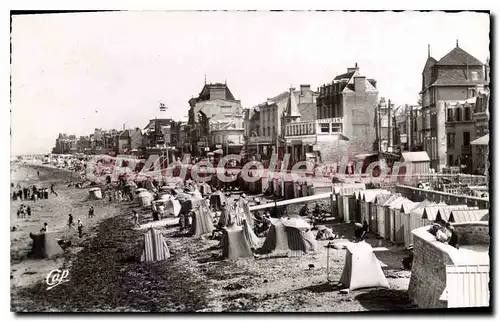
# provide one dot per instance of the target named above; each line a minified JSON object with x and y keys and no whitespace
{"x":396,"y":204}
{"x":469,"y":215}
{"x":407,"y":206}
{"x":456,"y":82}
{"x":206,"y":91}
{"x":348,"y":189}
{"x":160,"y":122}
{"x":370,"y":194}
{"x":484,"y":140}
{"x":124,"y":135}
{"x":431,"y":212}
{"x":347,"y":75}
{"x":418,"y":210}
{"x":445,"y":213}
{"x":380,"y":199}
{"x":418,"y":156}
{"x":459,"y":57}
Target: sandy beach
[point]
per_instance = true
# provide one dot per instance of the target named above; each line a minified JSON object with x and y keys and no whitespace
{"x":105,"y":273}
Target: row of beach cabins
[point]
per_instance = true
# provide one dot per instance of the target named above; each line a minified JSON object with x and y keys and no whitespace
{"x":393,"y":216}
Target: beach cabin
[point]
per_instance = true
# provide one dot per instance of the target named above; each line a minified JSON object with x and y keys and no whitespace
{"x":414,"y":220}
{"x":383,"y":219}
{"x":346,"y":200}
{"x":396,"y":231}
{"x":431,"y":213}
{"x":467,"y":216}
{"x":444,"y":214}
{"x":375,"y":205}
{"x":368,"y":197}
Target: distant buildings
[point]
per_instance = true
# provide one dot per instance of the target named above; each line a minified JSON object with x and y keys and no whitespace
{"x":265,"y":123}
{"x":216,"y":120}
{"x":449,"y":90}
{"x":350,"y":100}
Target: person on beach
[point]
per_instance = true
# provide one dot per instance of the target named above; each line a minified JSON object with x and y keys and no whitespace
{"x":135,"y":217}
{"x":91,"y":212}
{"x":120,"y":195}
{"x":110,"y":196}
{"x":52,"y":191}
{"x":70,"y":221}
{"x":46,"y":193}
{"x":37,"y":173}
{"x":20,"y":194}
{"x":44,"y":228}
{"x":28,"y":210}
{"x":80,"y":229}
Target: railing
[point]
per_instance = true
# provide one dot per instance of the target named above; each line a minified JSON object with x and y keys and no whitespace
{"x":322,"y":126}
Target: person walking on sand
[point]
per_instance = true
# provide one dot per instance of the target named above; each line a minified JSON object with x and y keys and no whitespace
{"x":44,"y":228}
{"x":120,"y":196}
{"x":52,"y":191}
{"x":28,"y":210}
{"x":70,"y":221}
{"x":37,"y":173}
{"x":91,"y":212}
{"x":135,"y":218}
{"x":80,"y":229}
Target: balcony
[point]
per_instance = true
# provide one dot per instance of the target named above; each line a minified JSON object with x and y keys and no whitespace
{"x":316,"y":127}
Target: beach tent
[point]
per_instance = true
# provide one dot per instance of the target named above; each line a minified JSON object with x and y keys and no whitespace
{"x":345,"y":196}
{"x":252,"y":239}
{"x":290,"y":235}
{"x":225,"y":217}
{"x":217,"y":199}
{"x":362,"y":268}
{"x":172,"y":207}
{"x":44,"y":246}
{"x":202,"y":222}
{"x":367,"y":197}
{"x":190,"y":204}
{"x":145,"y":198}
{"x":155,"y":247}
{"x":234,"y":243}
{"x":95,"y":193}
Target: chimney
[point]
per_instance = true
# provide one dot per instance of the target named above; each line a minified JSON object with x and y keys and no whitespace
{"x":360,"y":84}
{"x":304,"y":88}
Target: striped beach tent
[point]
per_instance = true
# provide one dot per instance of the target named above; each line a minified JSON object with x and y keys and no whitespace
{"x":252,"y":239}
{"x":225,"y":216}
{"x":155,"y":247}
{"x":234,"y":244}
{"x":202,"y":222}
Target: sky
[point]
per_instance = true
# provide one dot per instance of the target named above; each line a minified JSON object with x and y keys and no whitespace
{"x":74,"y":72}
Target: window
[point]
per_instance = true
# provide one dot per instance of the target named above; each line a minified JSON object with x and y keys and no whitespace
{"x":475,"y":76}
{"x":450,"y":115}
{"x":467,"y":113}
{"x":450,"y":160}
{"x":458,"y":114}
{"x":448,"y":140}
{"x":466,"y":137}
{"x":472,"y":92}
{"x":335,"y":129}
{"x":325,"y":127}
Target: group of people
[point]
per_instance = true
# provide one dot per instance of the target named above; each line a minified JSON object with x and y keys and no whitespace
{"x":33,"y":193}
{"x":445,"y":233}
{"x":79,"y":225}
{"x":23,"y":211}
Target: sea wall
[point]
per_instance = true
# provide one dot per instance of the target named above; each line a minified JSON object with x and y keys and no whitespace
{"x":419,"y":195}
{"x":428,"y":274}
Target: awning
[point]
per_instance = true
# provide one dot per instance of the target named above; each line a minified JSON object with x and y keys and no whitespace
{"x":310,"y":155}
{"x":484,"y":140}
